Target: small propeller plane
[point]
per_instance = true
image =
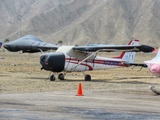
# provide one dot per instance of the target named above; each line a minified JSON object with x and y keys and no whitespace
{"x":77,"y":58}
{"x":154,"y":64}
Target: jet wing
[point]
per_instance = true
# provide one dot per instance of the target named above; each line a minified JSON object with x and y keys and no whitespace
{"x":114,"y":48}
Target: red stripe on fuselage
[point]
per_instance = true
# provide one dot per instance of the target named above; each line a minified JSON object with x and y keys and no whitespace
{"x":75,"y":61}
{"x":103,"y":62}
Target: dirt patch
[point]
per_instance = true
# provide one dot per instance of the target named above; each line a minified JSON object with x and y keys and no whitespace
{"x":20,"y":73}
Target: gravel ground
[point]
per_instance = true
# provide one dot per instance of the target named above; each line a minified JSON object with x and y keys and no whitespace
{"x":119,"y":93}
{"x":20,"y":73}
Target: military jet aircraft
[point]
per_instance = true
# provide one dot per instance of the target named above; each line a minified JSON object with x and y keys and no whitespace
{"x":29,"y":44}
{"x":78,"y":58}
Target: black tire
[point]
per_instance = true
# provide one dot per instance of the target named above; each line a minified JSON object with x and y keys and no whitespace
{"x":61,"y":76}
{"x":52,"y":78}
{"x":87,"y":78}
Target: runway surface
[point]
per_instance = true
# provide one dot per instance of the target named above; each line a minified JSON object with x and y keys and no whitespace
{"x":95,"y":104}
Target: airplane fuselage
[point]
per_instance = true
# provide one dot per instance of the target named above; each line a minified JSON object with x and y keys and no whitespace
{"x":154,"y":68}
{"x":73,"y":64}
{"x":58,"y":62}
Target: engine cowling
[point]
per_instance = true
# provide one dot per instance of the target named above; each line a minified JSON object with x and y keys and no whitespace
{"x":54,"y":62}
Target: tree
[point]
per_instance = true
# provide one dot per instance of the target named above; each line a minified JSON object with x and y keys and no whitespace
{"x":60,"y":42}
{"x":6,"y":40}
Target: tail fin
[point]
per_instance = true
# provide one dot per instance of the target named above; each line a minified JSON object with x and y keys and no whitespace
{"x":129,"y":56}
{"x":157,"y":57}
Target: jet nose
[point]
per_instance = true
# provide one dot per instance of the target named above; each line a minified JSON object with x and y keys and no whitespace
{"x":5,"y":45}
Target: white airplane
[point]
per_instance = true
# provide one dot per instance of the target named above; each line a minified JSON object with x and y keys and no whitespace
{"x":78,"y":58}
{"x":154,"y":64}
{"x":71,"y":59}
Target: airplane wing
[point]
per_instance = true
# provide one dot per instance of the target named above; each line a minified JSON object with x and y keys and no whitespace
{"x":44,"y":45}
{"x":31,"y":44}
{"x":114,"y":48}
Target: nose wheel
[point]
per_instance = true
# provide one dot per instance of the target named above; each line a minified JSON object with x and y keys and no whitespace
{"x":60,"y":76}
{"x":52,"y":78}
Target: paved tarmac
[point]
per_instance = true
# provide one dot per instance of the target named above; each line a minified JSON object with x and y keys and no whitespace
{"x":119,"y":104}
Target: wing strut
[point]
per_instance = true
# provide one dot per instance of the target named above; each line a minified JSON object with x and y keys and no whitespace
{"x":84,"y":60}
{"x":41,"y":50}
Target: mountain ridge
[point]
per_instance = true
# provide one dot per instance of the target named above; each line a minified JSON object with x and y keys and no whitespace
{"x":81,"y":21}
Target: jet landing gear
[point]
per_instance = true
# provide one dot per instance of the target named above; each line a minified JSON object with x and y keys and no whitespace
{"x":87,"y":77}
{"x":60,"y":76}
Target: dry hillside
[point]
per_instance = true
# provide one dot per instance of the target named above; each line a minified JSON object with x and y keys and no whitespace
{"x":82,"y":21}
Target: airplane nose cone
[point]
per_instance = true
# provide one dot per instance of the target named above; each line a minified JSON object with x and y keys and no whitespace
{"x":5,"y":46}
{"x":155,"y":69}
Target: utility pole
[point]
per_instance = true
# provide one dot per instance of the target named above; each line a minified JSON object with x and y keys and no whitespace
{"x":19,"y":16}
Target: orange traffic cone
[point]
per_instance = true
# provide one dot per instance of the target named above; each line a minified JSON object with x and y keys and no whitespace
{"x":79,"y":90}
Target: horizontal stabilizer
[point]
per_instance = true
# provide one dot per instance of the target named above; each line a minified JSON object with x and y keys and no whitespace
{"x":138,"y":64}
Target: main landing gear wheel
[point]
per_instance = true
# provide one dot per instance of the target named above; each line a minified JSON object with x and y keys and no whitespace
{"x":52,"y":78}
{"x":87,"y":78}
{"x":61,"y":76}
